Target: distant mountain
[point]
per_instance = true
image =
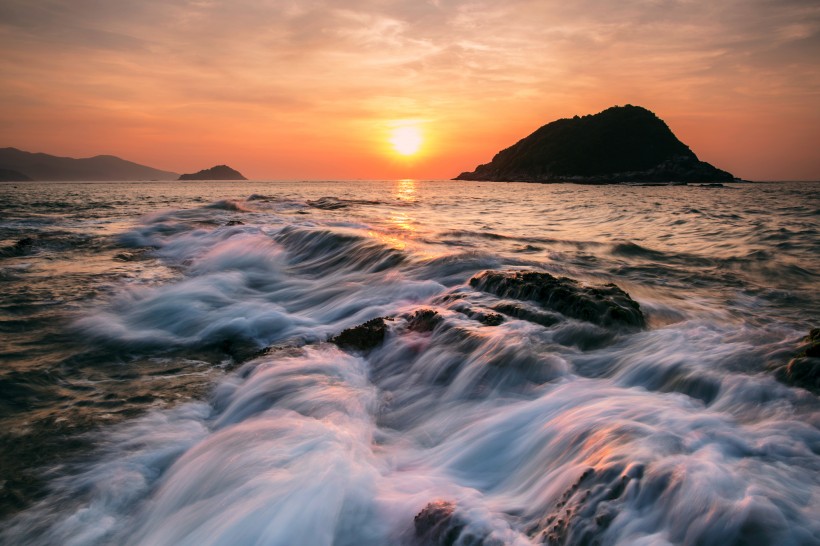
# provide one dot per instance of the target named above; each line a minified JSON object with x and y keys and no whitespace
{"x":9,"y":175}
{"x":38,"y":166}
{"x":621,"y":144}
{"x":219,"y":172}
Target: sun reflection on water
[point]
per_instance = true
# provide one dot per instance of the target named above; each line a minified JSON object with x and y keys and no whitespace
{"x":405,"y":190}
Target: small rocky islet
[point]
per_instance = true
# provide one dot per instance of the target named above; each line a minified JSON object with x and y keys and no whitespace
{"x":620,"y":144}
{"x":217,"y":172}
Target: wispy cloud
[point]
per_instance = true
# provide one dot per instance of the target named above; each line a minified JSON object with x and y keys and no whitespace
{"x":319,"y":66}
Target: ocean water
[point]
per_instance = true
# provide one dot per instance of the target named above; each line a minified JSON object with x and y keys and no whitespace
{"x":166,"y":376}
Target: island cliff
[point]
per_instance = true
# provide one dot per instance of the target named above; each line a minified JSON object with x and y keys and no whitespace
{"x":621,"y":144}
{"x":219,"y":172}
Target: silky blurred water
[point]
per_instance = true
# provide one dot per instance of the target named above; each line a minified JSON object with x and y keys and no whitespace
{"x":165,"y":375}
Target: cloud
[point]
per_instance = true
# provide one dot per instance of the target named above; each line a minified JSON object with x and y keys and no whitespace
{"x":355,"y":60}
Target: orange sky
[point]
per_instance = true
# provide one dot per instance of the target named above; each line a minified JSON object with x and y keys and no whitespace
{"x":311,"y":89}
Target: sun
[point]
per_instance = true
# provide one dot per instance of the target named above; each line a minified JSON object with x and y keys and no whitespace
{"x":406,"y":139}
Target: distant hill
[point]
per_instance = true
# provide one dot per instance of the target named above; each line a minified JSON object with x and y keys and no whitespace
{"x":39,"y":166}
{"x":621,"y":144}
{"x":219,"y":172}
{"x":9,"y":175}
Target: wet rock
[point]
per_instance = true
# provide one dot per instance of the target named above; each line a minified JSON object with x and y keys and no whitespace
{"x":132,"y":256}
{"x":327,"y":203}
{"x":440,"y":524}
{"x":582,"y":514}
{"x":423,"y":320}
{"x":804,"y":369}
{"x":605,"y":305}
{"x":362,"y":337}
{"x":521,"y":310}
{"x":234,"y":223}
{"x":490,"y":319}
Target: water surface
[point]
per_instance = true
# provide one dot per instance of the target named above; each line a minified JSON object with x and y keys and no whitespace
{"x":138,"y":404}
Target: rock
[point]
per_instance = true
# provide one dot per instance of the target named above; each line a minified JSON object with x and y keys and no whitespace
{"x":621,"y":144}
{"x":605,"y":305}
{"x":362,"y":337}
{"x":804,"y":369}
{"x":530,"y":313}
{"x":219,"y":172}
{"x":423,"y":320}
{"x":234,"y":223}
{"x":490,"y":319}
{"x":327,"y":203}
{"x":440,"y":524}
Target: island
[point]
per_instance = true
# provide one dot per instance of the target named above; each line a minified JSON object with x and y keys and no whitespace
{"x":621,"y":144}
{"x":219,"y":172}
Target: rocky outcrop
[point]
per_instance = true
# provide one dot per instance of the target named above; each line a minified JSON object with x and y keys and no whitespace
{"x":362,"y":337}
{"x":219,"y":172}
{"x":804,"y":369}
{"x":605,"y":305}
{"x":423,"y":320}
{"x":621,"y":144}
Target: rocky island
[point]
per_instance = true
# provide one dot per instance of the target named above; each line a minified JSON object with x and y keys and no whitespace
{"x":621,"y":144}
{"x":219,"y":172}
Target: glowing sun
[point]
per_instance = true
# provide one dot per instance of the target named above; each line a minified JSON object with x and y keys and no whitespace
{"x":406,"y":140}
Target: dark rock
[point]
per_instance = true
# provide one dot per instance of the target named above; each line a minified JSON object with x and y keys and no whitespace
{"x":804,"y":369}
{"x":423,"y":320}
{"x":490,"y":319}
{"x":362,"y":337}
{"x":605,"y":305}
{"x":11,"y":175}
{"x":523,"y":311}
{"x":582,"y":514}
{"x":327,"y":203}
{"x":234,"y":223}
{"x":440,"y":524}
{"x":219,"y":172}
{"x":133,"y":256}
{"x":621,"y":144}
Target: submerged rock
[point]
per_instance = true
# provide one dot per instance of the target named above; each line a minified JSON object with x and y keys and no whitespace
{"x":362,"y":337}
{"x":804,"y":369}
{"x":327,"y":203}
{"x":20,"y":248}
{"x":605,"y":305}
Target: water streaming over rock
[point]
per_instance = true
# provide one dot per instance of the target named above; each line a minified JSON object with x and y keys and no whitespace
{"x":168,"y":375}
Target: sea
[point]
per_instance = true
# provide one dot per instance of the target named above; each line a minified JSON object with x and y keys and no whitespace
{"x":168,"y":376}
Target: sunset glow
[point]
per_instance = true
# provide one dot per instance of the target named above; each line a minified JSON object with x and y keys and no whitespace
{"x":267,"y":87}
{"x":406,"y":140}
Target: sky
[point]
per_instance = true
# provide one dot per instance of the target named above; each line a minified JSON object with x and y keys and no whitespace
{"x":283,"y":89}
